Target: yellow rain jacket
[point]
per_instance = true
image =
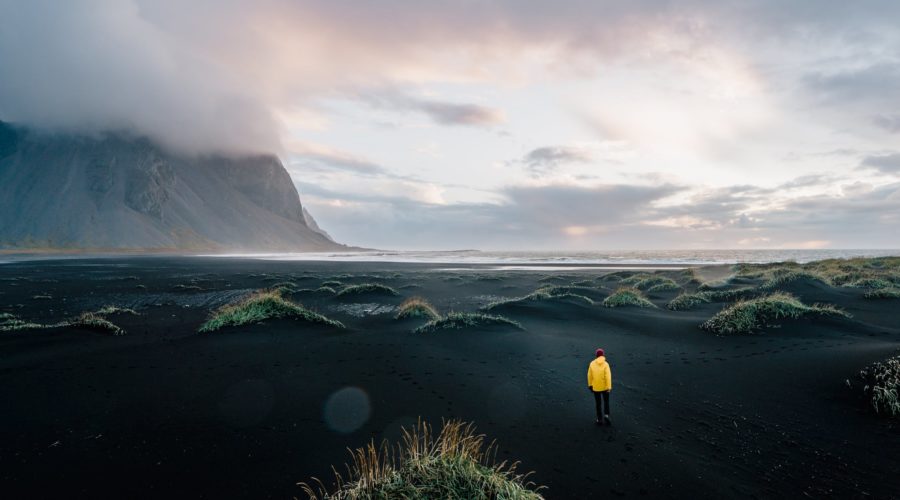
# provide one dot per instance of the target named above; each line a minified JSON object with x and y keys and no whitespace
{"x":599,"y":376}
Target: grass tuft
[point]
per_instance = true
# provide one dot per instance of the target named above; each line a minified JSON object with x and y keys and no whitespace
{"x":627,"y":297}
{"x":94,"y":321}
{"x":543,"y":293}
{"x":882,"y":387}
{"x":747,"y":316}
{"x":687,"y":301}
{"x":367,"y":288}
{"x":417,"y":307}
{"x":454,"y":464}
{"x":260,"y":306}
{"x":11,"y":323}
{"x":109,"y":309}
{"x":870,"y":283}
{"x":648,"y":282}
{"x":783,"y":278}
{"x":883,"y":293}
{"x":457,"y":320}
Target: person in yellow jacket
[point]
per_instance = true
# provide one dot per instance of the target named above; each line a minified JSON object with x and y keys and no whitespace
{"x":600,"y":383}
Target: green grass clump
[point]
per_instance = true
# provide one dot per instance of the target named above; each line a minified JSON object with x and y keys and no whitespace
{"x":453,"y":465}
{"x":690,"y":276}
{"x":285,"y":286}
{"x":11,"y":323}
{"x":871,"y":283}
{"x":543,"y":293}
{"x":624,"y":297}
{"x":108,"y":309}
{"x":666,"y":286}
{"x":883,"y":293}
{"x":457,"y":320}
{"x":95,"y":322}
{"x":747,"y":316}
{"x":331,"y":284}
{"x":417,"y":307}
{"x":652,"y":283}
{"x":260,"y":306}
{"x":715,"y":285}
{"x":367,"y":288}
{"x":687,"y":301}
{"x":781,"y":279}
{"x":882,"y":381}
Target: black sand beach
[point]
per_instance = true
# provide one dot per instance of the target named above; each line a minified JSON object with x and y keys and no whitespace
{"x":165,"y":412}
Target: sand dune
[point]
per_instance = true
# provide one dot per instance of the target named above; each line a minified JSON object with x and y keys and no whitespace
{"x":250,"y":411}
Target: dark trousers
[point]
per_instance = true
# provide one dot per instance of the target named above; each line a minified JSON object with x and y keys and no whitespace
{"x":602,"y":400}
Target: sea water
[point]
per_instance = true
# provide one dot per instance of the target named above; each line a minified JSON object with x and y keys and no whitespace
{"x":589,"y":258}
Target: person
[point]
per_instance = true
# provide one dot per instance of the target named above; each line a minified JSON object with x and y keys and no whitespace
{"x":600,"y":383}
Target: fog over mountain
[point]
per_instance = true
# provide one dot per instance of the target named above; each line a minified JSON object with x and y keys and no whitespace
{"x":114,"y":191}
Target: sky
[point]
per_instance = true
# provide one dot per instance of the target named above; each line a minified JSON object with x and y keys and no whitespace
{"x":504,"y":124}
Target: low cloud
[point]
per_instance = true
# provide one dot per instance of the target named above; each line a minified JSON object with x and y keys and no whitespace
{"x":891,"y":123}
{"x":885,"y":163}
{"x":322,"y":158}
{"x":440,"y":112}
{"x":548,"y":158}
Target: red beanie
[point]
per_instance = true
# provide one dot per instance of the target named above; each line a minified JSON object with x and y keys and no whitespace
{"x":600,"y":353}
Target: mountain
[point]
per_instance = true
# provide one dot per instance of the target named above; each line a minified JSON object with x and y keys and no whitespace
{"x":114,"y":191}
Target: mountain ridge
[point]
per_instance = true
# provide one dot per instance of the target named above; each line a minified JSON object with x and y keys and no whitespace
{"x":115,"y":191}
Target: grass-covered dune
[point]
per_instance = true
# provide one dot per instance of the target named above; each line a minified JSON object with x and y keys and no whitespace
{"x":281,"y":401}
{"x":627,"y":297}
{"x":96,"y":321}
{"x":417,"y":307}
{"x":574,"y":294}
{"x":687,"y":301}
{"x":454,"y":464}
{"x":463,"y":320}
{"x":261,"y":306}
{"x":748,"y":316}
{"x":366,"y":289}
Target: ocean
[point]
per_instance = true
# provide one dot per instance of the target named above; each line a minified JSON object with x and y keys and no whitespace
{"x":592,"y":258}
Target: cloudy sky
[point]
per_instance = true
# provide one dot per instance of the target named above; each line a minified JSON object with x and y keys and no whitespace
{"x":504,"y":124}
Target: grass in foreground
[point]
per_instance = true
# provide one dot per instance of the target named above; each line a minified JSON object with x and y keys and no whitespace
{"x":457,"y":320}
{"x":260,"y":306}
{"x":417,"y":307}
{"x":367,"y":288}
{"x":883,"y":386}
{"x":453,"y":465}
{"x":747,"y":316}
{"x":627,"y":297}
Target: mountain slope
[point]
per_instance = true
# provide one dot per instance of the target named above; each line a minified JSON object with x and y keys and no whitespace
{"x":114,"y":191}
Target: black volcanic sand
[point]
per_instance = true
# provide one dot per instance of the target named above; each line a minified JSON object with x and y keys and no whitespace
{"x":164,"y":412}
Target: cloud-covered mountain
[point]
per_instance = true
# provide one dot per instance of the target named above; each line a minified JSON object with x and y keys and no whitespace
{"x":114,"y":191}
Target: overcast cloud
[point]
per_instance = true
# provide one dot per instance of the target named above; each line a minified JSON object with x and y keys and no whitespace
{"x":501,"y":124}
